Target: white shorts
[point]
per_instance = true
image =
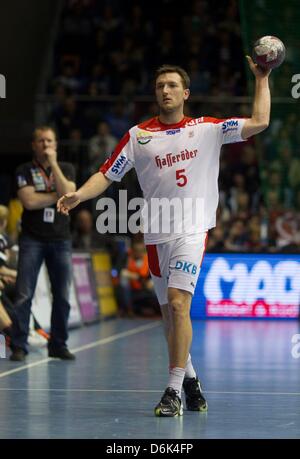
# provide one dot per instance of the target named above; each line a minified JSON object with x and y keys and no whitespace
{"x":176,"y":264}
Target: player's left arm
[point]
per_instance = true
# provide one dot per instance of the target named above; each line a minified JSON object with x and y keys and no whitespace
{"x":260,"y":118}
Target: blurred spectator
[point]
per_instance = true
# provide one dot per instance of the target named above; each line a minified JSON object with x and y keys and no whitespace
{"x":136,"y":282}
{"x":294,"y":172}
{"x":67,"y":117}
{"x":7,"y":277}
{"x":100,"y":79}
{"x":110,"y":22}
{"x":100,"y":147}
{"x":7,"y":248}
{"x":74,"y":146}
{"x":200,"y":80}
{"x":86,"y":237}
{"x":255,"y":236}
{"x":5,"y":320}
{"x":288,"y":231}
{"x":68,"y":78}
{"x":216,"y":240}
{"x":242,"y":206}
{"x":237,"y":239}
{"x":4,"y":256}
{"x":237,"y":188}
{"x":118,"y":120}
{"x":60,"y":93}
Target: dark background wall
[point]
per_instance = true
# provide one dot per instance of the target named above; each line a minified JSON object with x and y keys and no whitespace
{"x":25,"y":28}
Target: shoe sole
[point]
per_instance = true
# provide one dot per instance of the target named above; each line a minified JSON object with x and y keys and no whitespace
{"x":201,"y":409}
{"x":159,"y":413}
{"x":61,"y":358}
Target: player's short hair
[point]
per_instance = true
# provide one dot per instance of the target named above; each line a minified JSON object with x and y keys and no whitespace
{"x":43,"y":128}
{"x":174,"y":69}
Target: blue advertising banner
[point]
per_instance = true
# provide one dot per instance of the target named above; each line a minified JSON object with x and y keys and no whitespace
{"x":249,"y":286}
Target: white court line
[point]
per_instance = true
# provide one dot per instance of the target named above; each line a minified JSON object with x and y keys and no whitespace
{"x":86,"y":346}
{"x":145,"y":391}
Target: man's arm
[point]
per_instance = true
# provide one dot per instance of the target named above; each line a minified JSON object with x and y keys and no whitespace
{"x":63,"y":185}
{"x":33,"y":200}
{"x":260,"y":118}
{"x":95,"y":185}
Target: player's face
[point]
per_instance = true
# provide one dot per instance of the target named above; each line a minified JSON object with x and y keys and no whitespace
{"x":43,"y":140}
{"x":170,"y":93}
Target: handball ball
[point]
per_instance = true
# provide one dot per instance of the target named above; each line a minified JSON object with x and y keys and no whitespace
{"x":268,"y":52}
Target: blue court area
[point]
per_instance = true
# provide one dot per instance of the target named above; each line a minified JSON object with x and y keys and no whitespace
{"x":251,"y":380}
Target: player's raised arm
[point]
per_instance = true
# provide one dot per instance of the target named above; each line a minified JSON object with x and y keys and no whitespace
{"x":94,"y":186}
{"x":260,"y":118}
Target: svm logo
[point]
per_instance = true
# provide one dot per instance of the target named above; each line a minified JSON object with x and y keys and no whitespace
{"x":186,"y":267}
{"x":172,"y":131}
{"x":143,"y":137}
{"x":2,"y":87}
{"x":119,"y":165}
{"x":227,"y":125}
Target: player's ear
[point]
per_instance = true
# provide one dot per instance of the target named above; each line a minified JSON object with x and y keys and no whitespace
{"x":186,"y":94}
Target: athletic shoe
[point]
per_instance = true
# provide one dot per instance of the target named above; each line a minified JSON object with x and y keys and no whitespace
{"x":170,"y":404}
{"x":18,"y":355}
{"x":194,"y":398}
{"x":62,"y":353}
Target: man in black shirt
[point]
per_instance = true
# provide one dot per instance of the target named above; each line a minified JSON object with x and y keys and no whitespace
{"x":45,"y":237}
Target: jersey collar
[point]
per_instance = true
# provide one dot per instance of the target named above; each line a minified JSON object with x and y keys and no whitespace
{"x":164,"y":126}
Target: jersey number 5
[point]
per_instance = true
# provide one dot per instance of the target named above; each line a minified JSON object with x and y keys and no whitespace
{"x":181,"y":177}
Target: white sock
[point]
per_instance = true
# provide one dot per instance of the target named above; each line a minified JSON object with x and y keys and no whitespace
{"x":189,"y":369}
{"x":176,"y":376}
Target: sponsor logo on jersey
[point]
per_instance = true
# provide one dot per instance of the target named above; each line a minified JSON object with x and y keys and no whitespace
{"x":191,"y":134}
{"x":195,"y":121}
{"x":119,"y":165}
{"x":154,"y":129}
{"x":172,"y":131}
{"x":186,"y":267}
{"x":143,"y":137}
{"x":230,"y":125}
{"x":169,"y":159}
{"x":38,"y":180}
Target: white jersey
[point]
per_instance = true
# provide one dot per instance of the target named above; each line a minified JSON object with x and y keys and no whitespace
{"x":179,"y":162}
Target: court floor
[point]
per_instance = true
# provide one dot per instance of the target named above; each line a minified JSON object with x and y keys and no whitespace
{"x":250,"y":375}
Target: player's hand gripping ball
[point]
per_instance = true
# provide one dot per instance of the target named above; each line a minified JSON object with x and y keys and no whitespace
{"x":268,"y":52}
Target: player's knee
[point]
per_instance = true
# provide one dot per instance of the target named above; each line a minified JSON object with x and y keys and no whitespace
{"x":178,"y":308}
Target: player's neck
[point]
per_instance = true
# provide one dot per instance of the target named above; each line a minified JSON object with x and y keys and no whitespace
{"x":171,"y":118}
